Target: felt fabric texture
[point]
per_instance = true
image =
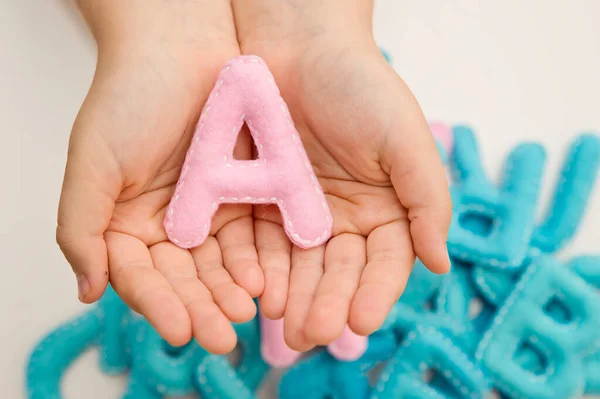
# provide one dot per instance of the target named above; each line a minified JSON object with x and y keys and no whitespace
{"x":104,"y":326}
{"x":577,"y":179}
{"x":499,"y":284}
{"x":445,"y":303}
{"x":571,"y":195}
{"x":215,"y":377}
{"x":321,"y":376}
{"x":535,"y":336}
{"x":490,"y":225}
{"x":588,"y":268}
{"x":251,"y":368}
{"x":158,"y":367}
{"x":552,"y":314}
{"x":246,"y":92}
{"x":348,"y":347}
{"x":215,"y":380}
{"x":137,"y":389}
{"x":424,"y":303}
{"x":592,"y":373}
{"x":53,"y":355}
{"x":274,"y":350}
{"x":127,"y":342}
{"x":457,"y":300}
{"x":161,"y":369}
{"x":445,"y":319}
{"x":115,"y":354}
{"x":427,"y":349}
{"x":494,"y":285}
{"x":422,"y":287}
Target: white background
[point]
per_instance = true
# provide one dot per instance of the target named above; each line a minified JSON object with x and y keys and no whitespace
{"x":516,"y":70}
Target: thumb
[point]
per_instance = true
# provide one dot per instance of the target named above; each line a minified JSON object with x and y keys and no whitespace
{"x":91,"y":185}
{"x":419,"y":179}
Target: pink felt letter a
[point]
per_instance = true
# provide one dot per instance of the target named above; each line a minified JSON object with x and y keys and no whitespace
{"x":282,"y":174}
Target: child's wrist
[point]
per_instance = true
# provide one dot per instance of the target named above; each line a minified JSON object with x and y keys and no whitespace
{"x":183,"y":30}
{"x":266,"y":24}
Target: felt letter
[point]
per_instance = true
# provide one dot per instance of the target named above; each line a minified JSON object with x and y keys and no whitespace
{"x":571,"y":195}
{"x":348,"y":347}
{"x":492,"y":226}
{"x":321,"y":376}
{"x":552,"y":314}
{"x":424,"y":349}
{"x":246,"y":92}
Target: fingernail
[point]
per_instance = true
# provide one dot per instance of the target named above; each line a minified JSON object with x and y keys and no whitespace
{"x":83,"y":286}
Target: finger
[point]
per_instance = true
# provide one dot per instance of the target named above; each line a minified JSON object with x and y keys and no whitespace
{"x":210,"y":327}
{"x":236,"y":240}
{"x":90,"y":188}
{"x":306,"y":272}
{"x":234,"y":301}
{"x":274,"y":256}
{"x":419,"y":179}
{"x":389,"y":262}
{"x":145,"y":289}
{"x":345,"y":259}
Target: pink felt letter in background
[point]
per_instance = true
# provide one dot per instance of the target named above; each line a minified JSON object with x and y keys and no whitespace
{"x":443,"y":134}
{"x":348,"y":347}
{"x":246,"y":92}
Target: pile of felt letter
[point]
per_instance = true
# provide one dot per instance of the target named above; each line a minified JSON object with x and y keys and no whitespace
{"x":510,"y":319}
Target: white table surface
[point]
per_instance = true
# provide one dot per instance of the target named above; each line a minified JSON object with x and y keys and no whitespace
{"x":515,"y":70}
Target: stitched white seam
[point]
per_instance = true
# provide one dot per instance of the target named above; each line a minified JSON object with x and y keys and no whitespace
{"x":391,"y":368}
{"x":510,"y":301}
{"x":484,"y":286}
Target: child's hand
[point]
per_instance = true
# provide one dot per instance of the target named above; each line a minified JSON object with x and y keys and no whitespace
{"x":374,"y":155}
{"x":157,"y":63}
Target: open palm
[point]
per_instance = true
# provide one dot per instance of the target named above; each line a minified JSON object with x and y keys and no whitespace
{"x":363,"y":131}
{"x":377,"y":162}
{"x":126,"y":153}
